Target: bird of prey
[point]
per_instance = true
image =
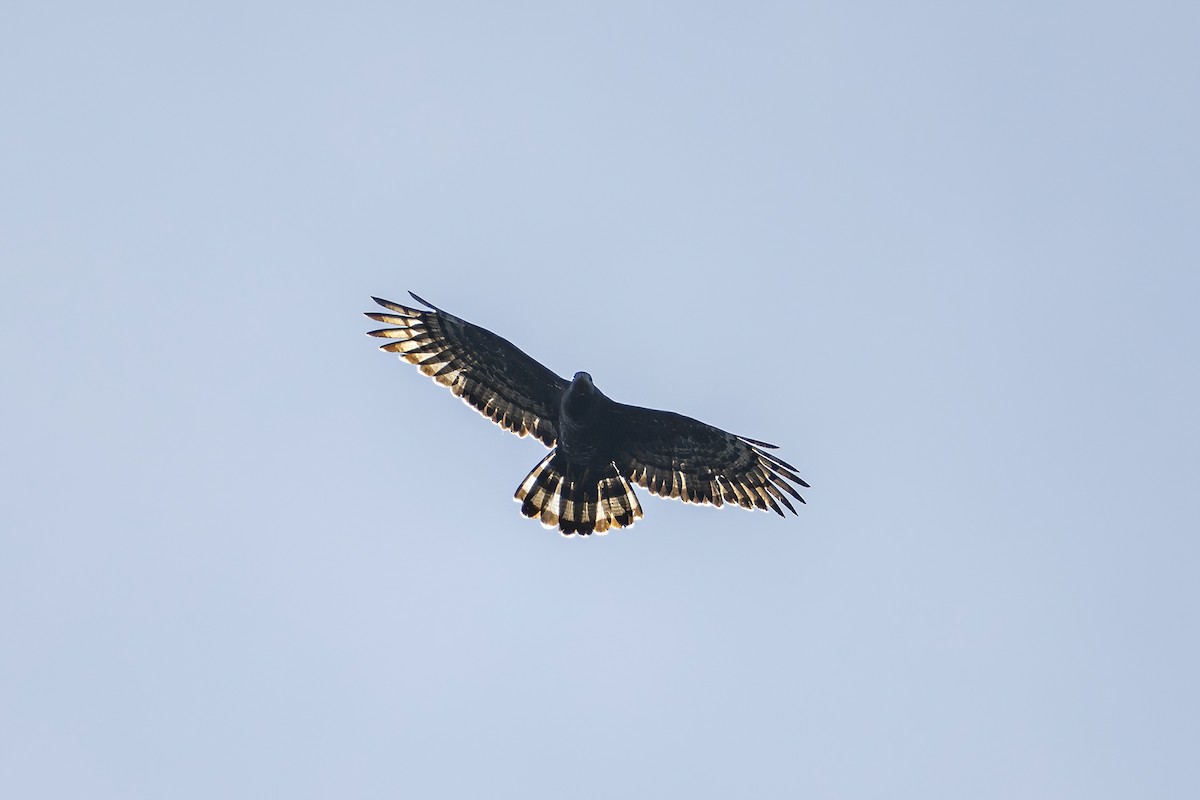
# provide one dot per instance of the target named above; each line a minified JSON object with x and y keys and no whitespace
{"x":597,"y":446}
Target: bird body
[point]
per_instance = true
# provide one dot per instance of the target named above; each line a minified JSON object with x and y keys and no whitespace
{"x":585,"y":423}
{"x":599,"y":447}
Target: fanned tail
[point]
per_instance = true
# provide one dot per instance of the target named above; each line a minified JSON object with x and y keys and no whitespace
{"x":577,"y":500}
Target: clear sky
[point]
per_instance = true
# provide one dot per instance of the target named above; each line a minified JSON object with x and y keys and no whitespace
{"x":947,"y":255}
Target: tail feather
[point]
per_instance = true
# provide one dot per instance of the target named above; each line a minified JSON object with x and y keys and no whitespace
{"x":577,"y":500}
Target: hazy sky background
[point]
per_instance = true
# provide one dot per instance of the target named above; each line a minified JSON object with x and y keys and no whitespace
{"x":945,"y":254}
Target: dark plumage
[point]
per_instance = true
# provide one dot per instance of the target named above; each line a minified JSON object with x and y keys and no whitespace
{"x":598,"y":446}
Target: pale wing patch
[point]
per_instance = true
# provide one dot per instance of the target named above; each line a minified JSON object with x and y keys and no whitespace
{"x":465,"y":358}
{"x":716,"y":469}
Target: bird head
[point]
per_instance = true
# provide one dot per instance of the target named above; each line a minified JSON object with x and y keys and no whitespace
{"x":581,"y":392}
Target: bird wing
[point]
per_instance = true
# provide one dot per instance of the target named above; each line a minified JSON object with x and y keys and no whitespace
{"x":488,"y":372}
{"x":677,"y":456}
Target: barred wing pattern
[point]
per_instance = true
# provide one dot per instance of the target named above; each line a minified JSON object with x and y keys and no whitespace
{"x":677,"y":456}
{"x":488,"y":372}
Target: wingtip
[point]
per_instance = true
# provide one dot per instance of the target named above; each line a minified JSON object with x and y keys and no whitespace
{"x":396,"y":308}
{"x":423,"y":301}
{"x":381,"y":301}
{"x":758,"y":443}
{"x":372,"y":314}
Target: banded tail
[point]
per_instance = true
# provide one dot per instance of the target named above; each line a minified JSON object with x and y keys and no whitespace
{"x":577,"y":499}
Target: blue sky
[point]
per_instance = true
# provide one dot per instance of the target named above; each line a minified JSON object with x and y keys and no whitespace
{"x":945,"y":255}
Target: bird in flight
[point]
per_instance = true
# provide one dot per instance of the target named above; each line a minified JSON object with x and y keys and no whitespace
{"x":598,"y":447}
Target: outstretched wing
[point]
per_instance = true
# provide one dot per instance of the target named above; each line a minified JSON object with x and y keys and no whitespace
{"x":489,"y":373}
{"x":677,"y":456}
